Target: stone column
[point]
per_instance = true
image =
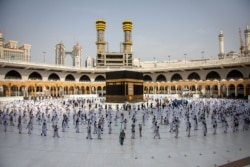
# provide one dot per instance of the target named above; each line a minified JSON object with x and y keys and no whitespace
{"x":236,"y":91}
{"x":56,"y":93}
{"x":8,"y":91}
{"x":203,"y":90}
{"x":245,"y":90}
{"x":219,"y":90}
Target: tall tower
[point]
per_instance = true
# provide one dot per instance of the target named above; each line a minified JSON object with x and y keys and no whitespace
{"x":241,"y":44}
{"x":60,"y":54}
{"x":1,"y":46}
{"x":127,"y":28}
{"x":26,"y":51}
{"x":247,"y":41}
{"x":100,"y":42}
{"x":76,"y":55}
{"x":221,"y":45}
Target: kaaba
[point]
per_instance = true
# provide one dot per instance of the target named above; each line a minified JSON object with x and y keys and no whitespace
{"x":124,"y":86}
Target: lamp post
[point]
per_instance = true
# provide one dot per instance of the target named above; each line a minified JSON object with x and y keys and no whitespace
{"x":202,"y":55}
{"x":107,"y":46}
{"x":185,"y":55}
{"x":44,"y":53}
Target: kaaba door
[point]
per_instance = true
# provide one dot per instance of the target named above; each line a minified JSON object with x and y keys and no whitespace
{"x":130,"y":91}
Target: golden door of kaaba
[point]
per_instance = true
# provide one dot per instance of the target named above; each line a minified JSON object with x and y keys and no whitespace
{"x":124,"y":86}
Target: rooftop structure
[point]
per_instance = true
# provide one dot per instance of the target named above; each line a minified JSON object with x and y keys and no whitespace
{"x":227,"y":76}
{"x":104,"y":58}
{"x":10,"y":50}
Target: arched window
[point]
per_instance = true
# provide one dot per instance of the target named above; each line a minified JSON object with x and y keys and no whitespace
{"x":161,"y":78}
{"x":69,"y":78}
{"x":147,"y":78}
{"x":53,"y":77}
{"x":84,"y":78}
{"x":234,"y":74}
{"x":99,"y":78}
{"x":212,"y":76}
{"x":194,"y":76}
{"x":13,"y":75}
{"x":176,"y":77}
{"x":35,"y":76}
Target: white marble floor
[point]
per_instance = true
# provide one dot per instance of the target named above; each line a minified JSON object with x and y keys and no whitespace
{"x":71,"y":149}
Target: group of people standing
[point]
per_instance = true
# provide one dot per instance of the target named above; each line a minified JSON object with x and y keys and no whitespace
{"x":92,"y":116}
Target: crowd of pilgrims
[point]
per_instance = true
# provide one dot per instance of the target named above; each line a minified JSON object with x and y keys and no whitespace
{"x":98,"y":118}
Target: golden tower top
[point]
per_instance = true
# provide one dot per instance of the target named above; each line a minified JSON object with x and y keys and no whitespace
{"x":127,"y":25}
{"x":100,"y":24}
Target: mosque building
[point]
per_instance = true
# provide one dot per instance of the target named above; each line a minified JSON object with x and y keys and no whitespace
{"x":10,"y":51}
{"x":227,"y":76}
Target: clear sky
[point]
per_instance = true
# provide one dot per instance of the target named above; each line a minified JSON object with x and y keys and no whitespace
{"x":160,"y":27}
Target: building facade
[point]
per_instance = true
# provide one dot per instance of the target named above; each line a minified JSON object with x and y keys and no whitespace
{"x":76,"y":54}
{"x":104,"y":58}
{"x":11,"y":51}
{"x":227,"y":76}
{"x":210,"y":78}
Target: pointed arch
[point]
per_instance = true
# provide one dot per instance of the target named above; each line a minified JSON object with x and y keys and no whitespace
{"x":176,"y":77}
{"x":13,"y":74}
{"x":234,"y":74}
{"x":69,"y":77}
{"x":161,"y":78}
{"x":100,"y":78}
{"x":53,"y":77}
{"x":240,"y":91}
{"x":35,"y":76}
{"x":84,"y":78}
{"x":147,"y":78}
{"x":194,"y":76}
{"x":99,"y":91}
{"x":231,"y":90}
{"x":14,"y":90}
{"x":213,"y":75}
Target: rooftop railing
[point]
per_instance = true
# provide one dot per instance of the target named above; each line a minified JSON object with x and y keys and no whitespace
{"x":143,"y":66}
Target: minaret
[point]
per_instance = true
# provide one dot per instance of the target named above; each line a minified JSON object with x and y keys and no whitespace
{"x":100,"y":27}
{"x":241,"y":44}
{"x":1,"y":46}
{"x":127,"y":28}
{"x":221,"y":45}
{"x":76,"y":55}
{"x":247,"y":41}
{"x":60,"y":54}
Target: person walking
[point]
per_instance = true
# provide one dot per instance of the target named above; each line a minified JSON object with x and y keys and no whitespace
{"x":140,"y":129}
{"x":19,"y":126}
{"x":56,"y":131}
{"x":157,"y":132}
{"x":204,"y":128}
{"x":110,"y":128}
{"x":89,"y":132}
{"x":77,"y":126}
{"x":29,"y":127}
{"x":44,"y":129}
{"x":122,"y":136}
{"x":133,"y":131}
{"x":5,"y":123}
{"x":189,"y":128}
